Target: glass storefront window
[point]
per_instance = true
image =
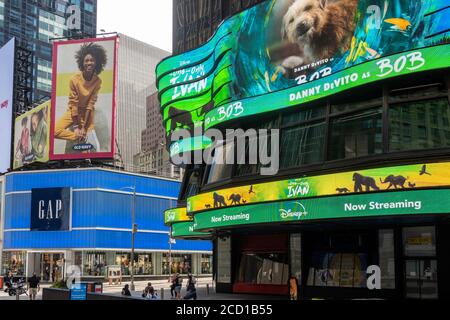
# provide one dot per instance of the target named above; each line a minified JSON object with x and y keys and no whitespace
{"x":123,"y":260}
{"x":419,"y":241}
{"x":95,"y":264}
{"x":264,"y":268}
{"x":338,"y":270}
{"x":14,"y":262}
{"x":206,"y":264}
{"x":296,"y":256}
{"x":386,"y":258}
{"x":302,"y":145}
{"x":143,"y":264}
{"x":181,"y":263}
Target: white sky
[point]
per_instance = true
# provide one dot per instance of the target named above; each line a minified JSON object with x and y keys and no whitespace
{"x":149,"y":21}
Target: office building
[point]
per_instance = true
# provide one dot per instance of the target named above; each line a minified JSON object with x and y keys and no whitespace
{"x":34,"y":23}
{"x":136,"y":81}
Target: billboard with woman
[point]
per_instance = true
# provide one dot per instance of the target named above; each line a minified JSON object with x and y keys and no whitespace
{"x":31,"y":136}
{"x":83,"y":99}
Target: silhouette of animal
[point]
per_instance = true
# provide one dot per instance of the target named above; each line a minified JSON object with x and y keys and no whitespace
{"x":321,"y":28}
{"x":251,"y":190}
{"x":208,"y":206}
{"x":179,"y":117}
{"x":411,"y":185}
{"x":219,"y":201}
{"x":342,"y":190}
{"x":367,"y":182}
{"x":424,"y":171}
{"x":235,"y":199}
{"x":395,"y":181}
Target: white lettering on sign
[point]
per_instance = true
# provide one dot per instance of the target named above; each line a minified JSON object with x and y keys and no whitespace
{"x":411,"y":61}
{"x":416,"y":205}
{"x":183,"y":90}
{"x":50,"y":211}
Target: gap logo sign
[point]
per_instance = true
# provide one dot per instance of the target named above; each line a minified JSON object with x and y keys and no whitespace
{"x":51,"y":209}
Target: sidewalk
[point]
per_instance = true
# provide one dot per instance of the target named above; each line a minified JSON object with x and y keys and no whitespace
{"x":202,"y":292}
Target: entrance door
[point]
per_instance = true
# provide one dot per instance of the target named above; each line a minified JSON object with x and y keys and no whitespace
{"x":421,"y":279}
{"x":52,"y":267}
{"x":421,"y":274}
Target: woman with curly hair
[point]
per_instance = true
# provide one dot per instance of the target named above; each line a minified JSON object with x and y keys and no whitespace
{"x":77,"y":123}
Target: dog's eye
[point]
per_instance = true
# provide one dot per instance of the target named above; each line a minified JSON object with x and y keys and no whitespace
{"x":292,"y":20}
{"x":309,"y":7}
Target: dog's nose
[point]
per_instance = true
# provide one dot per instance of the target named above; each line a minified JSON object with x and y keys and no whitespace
{"x":302,"y":28}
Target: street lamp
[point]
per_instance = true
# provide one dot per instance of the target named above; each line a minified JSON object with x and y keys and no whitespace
{"x":133,"y":232}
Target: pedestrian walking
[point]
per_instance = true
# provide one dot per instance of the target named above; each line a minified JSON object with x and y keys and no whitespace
{"x":33,"y":286}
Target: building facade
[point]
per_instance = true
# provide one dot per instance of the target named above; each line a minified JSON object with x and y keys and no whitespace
{"x":98,"y":235}
{"x":136,"y":81}
{"x":154,"y":157}
{"x":34,"y":23}
{"x":195,"y":21}
{"x":362,"y":186}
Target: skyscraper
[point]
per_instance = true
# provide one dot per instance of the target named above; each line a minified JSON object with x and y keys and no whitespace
{"x":194,"y":21}
{"x":35,"y":22}
{"x":136,"y":81}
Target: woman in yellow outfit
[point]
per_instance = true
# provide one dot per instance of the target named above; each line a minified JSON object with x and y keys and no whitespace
{"x":77,"y":123}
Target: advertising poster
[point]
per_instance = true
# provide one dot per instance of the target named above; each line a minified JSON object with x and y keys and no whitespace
{"x":404,"y":178}
{"x":284,"y":53}
{"x":6,"y":103}
{"x":31,"y":136}
{"x":83,"y":99}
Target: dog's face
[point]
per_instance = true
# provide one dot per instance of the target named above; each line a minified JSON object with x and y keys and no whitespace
{"x":303,"y":19}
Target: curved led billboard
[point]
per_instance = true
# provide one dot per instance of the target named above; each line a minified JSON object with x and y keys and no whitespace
{"x":176,"y":215}
{"x":408,"y":177}
{"x":283,"y":53}
{"x":419,"y":202}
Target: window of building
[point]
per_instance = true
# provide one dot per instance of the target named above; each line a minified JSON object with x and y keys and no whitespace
{"x":419,"y":125}
{"x":419,"y":241}
{"x":356,"y":135}
{"x":181,"y":263}
{"x":15,"y":262}
{"x":263,"y":268}
{"x":219,"y":170}
{"x":94,"y":264}
{"x":386,"y":253}
{"x":339,"y":260}
{"x":206,"y":264}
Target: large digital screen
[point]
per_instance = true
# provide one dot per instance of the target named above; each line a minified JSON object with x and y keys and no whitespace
{"x":402,"y":203}
{"x":6,"y":102}
{"x":409,"y":177}
{"x":31,"y":136}
{"x":284,"y":53}
{"x":83,"y":99}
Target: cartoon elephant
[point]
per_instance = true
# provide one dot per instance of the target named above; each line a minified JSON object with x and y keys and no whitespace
{"x":395,"y":181}
{"x":219,"y":201}
{"x":361,"y":181}
{"x":235,"y":199}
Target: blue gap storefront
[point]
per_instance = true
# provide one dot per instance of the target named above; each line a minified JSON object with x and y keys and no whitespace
{"x":98,"y":236}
